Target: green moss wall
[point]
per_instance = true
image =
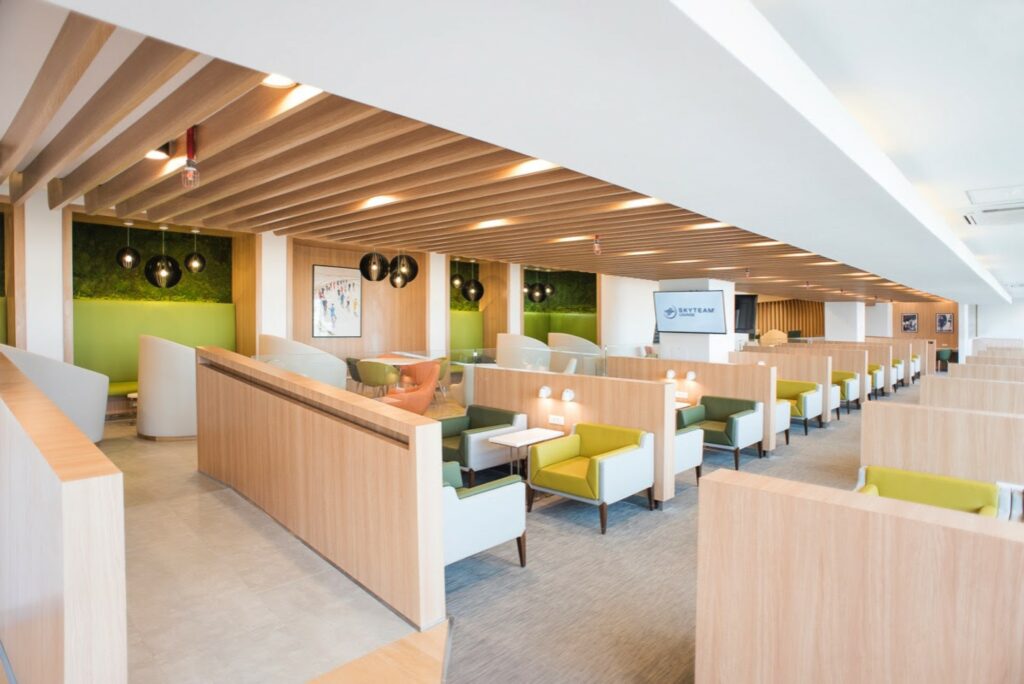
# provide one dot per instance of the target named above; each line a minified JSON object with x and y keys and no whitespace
{"x":572,"y":309}
{"x":458,"y":302}
{"x":97,"y":275}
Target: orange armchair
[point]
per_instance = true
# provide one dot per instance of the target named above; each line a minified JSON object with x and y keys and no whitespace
{"x":416,"y":399}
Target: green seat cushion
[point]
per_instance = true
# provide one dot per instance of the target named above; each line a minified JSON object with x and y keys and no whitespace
{"x":450,"y":449}
{"x":120,"y":389}
{"x":794,"y":408}
{"x":792,"y":389}
{"x":720,"y":408}
{"x":485,"y":416}
{"x":714,"y":432}
{"x":569,"y":476}
{"x":935,"y":490}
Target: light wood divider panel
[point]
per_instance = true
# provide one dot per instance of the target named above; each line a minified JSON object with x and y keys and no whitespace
{"x":635,"y":404}
{"x":801,"y":583}
{"x":973,"y":395}
{"x":493,"y":275}
{"x":977,"y":445}
{"x":982,"y":371}
{"x":802,"y":367}
{"x":924,"y":348}
{"x":881,"y":354}
{"x":63,"y":612}
{"x":1004,"y":352}
{"x":717,"y":379}
{"x":996,"y":360}
{"x":357,"y":480}
{"x":416,"y":659}
{"x":850,"y":360}
{"x":245,"y":254}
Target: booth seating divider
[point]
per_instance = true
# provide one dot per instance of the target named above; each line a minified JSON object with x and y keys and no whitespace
{"x":167,"y":389}
{"x":980,"y":344}
{"x":924,"y":349}
{"x":984,"y":371}
{"x":637,"y":404}
{"x":1007,"y":352}
{"x":972,"y":395}
{"x":989,"y":360}
{"x":523,"y":352}
{"x":803,"y":583}
{"x":880,"y":353}
{"x":567,"y":348}
{"x":852,"y":360}
{"x":805,"y":367}
{"x":3,"y":320}
{"x":736,"y":381}
{"x":304,"y":359}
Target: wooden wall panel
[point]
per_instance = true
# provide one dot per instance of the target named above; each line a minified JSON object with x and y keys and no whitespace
{"x":357,"y":480}
{"x":926,"y":329}
{"x":973,"y":395}
{"x":393,"y":319}
{"x":977,"y":445}
{"x":997,"y":344}
{"x":995,"y":360}
{"x":718,"y":379}
{"x":494,"y":304}
{"x":63,"y":612}
{"x":925,"y":348}
{"x":630,"y":403}
{"x":981,"y":371}
{"x":851,"y":360}
{"x":244,"y":257}
{"x":792,"y":314}
{"x":795,"y":367}
{"x":801,"y":583}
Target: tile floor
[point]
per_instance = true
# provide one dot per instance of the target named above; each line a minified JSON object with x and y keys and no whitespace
{"x":218,"y":591}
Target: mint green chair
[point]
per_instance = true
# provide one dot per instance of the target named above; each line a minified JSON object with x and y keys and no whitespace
{"x":728,"y":423}
{"x":378,"y":376}
{"x":944,"y":356}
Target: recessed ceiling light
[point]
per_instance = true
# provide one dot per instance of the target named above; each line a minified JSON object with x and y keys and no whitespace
{"x":640,"y":202}
{"x":764,"y":243}
{"x":782,"y":280}
{"x":160,"y":153}
{"x":798,"y":254}
{"x":685,"y":261}
{"x":707,"y":226}
{"x":824,"y":263}
{"x":574,"y":238}
{"x":378,"y":201}
{"x":643,"y":252}
{"x":870,"y":278}
{"x":721,"y":268}
{"x":757,"y":277}
{"x":492,"y":223}
{"x":531,"y":166}
{"x":278,"y":81}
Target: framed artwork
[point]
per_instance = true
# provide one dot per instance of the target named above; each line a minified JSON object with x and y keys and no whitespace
{"x":337,"y":301}
{"x":944,"y":322}
{"x":910,"y":323}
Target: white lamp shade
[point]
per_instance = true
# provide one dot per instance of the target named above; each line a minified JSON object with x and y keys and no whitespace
{"x":545,"y":392}
{"x":568,"y":395}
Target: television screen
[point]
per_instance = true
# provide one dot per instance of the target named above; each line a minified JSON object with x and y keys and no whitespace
{"x":746,"y":313}
{"x":697,"y":311}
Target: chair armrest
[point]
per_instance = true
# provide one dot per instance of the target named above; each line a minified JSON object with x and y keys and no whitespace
{"x":553,"y":451}
{"x":810,"y":403}
{"x":452,"y":474}
{"x":623,"y":472}
{"x":466,"y":492}
{"x":452,"y":427}
{"x":732,"y":423}
{"x":745,"y":427}
{"x":691,"y":415}
{"x":869,"y":489}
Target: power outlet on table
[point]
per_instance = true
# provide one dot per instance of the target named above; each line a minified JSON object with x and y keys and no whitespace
{"x":556,"y":420}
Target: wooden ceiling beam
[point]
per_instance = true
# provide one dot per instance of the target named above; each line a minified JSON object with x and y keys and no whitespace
{"x":76,"y":46}
{"x":300,"y":126}
{"x":149,"y":67}
{"x":400,"y":147}
{"x":214,"y":86}
{"x":134,"y":190}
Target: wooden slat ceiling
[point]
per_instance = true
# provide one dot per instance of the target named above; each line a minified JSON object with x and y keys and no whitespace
{"x":316,"y":166}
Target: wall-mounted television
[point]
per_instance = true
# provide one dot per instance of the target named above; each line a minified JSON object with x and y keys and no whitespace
{"x":691,"y":311}
{"x":746,"y":313}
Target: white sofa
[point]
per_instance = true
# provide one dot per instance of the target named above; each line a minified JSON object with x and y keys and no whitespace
{"x":167,"y":389}
{"x":79,"y":393}
{"x":689,"y":450}
{"x":783,"y":417}
{"x":303,"y":359}
{"x":478,"y":518}
{"x":566,"y":348}
{"x":520,"y":351}
{"x":466,"y":438}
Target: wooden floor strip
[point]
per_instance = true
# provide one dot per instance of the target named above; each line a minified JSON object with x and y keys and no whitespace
{"x":417,"y":659}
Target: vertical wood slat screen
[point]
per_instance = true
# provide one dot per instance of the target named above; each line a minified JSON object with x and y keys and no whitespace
{"x":792,"y":314}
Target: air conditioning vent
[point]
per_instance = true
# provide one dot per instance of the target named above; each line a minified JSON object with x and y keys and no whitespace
{"x":996,"y":216}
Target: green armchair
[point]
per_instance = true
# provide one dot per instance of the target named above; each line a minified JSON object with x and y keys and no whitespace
{"x":728,"y":423}
{"x":479,"y":518}
{"x":465,"y":439}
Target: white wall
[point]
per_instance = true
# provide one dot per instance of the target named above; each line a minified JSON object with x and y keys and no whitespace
{"x":844,"y":321}
{"x":515,"y":300}
{"x":695,"y":347}
{"x":878,"y":320}
{"x":273,"y":285}
{"x":626,"y":311}
{"x":438,"y":304}
{"x":1000,"y":320}
{"x":44,"y":278}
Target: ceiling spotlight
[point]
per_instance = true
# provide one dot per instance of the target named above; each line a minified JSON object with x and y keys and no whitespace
{"x":278,"y":81}
{"x":492,"y":223}
{"x":706,"y":226}
{"x":378,"y":201}
{"x":572,"y":238}
{"x":639,"y":202}
{"x":160,"y":153}
{"x":531,"y":166}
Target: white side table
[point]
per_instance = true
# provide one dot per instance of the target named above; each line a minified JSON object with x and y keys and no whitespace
{"x":524,"y":438}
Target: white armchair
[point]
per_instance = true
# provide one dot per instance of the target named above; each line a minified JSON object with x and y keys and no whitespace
{"x":689,"y":450}
{"x":848,"y":383}
{"x":167,"y":389}
{"x":466,"y":439}
{"x":303,"y":359}
{"x":783,"y":417}
{"x":899,"y":368}
{"x":806,"y":399}
{"x":478,"y":518}
{"x":80,"y":394}
{"x":915,"y":367}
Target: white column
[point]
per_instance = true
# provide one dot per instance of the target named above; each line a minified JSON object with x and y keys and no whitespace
{"x":438,"y":304}
{"x":626,"y":312}
{"x":515,"y":300}
{"x":700,"y":347}
{"x":273,"y":302}
{"x":965,"y":330}
{"x":44,"y":278}
{"x":844,"y":321}
{"x":878,"y":320}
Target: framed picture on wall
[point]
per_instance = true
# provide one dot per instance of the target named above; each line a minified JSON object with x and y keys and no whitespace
{"x":910,"y":323}
{"x":944,"y":322}
{"x":337,"y":301}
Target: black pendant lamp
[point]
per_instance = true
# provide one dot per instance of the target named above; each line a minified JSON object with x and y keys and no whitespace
{"x":549,"y":289}
{"x":128,"y":257}
{"x":536,"y":293}
{"x":472,"y":289}
{"x":457,"y":280}
{"x":195,"y":262}
{"x":406,"y":267}
{"x":162,"y":270}
{"x":397,"y":279}
{"x":374,"y":266}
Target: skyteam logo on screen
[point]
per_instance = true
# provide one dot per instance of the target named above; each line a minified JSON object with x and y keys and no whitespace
{"x":687,"y":311}
{"x":693,"y":311}
{"x":670,"y":312}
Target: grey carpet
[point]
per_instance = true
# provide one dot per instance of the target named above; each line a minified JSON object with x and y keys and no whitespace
{"x":619,"y":607}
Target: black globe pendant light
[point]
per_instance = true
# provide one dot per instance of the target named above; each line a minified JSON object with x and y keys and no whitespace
{"x":397,"y":279}
{"x":457,"y":280}
{"x":472,"y":289}
{"x":162,"y":270}
{"x":549,"y":289}
{"x":374,"y":266}
{"x":406,"y":266}
{"x":537,"y":293}
{"x":195,"y":262}
{"x":128,"y":257}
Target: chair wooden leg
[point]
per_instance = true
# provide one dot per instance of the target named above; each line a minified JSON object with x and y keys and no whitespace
{"x":736,"y":458}
{"x":472,"y":478}
{"x":650,"y":498}
{"x":805,"y":427}
{"x":529,"y":498}
{"x":821,"y":420}
{"x":858,"y":403}
{"x":521,"y":545}
{"x":604,"y":517}
{"x":760,"y":449}
{"x":787,"y":436}
{"x":838,"y":414}
{"x":698,"y":476}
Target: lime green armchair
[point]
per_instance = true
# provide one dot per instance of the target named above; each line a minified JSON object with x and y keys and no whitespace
{"x":849,"y":387}
{"x":805,"y":400}
{"x":596,"y":464}
{"x":876,"y":376}
{"x":971,"y":496}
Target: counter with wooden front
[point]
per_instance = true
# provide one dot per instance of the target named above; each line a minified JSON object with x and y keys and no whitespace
{"x":357,"y":480}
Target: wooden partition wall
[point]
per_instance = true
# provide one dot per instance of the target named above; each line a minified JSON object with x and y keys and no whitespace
{"x":63,"y":614}
{"x":850,"y":360}
{"x":801,"y":583}
{"x":630,"y":403}
{"x":718,"y":379}
{"x":881,"y":354}
{"x":990,"y":360}
{"x":1002,"y":352}
{"x":972,"y":395}
{"x":977,"y":445}
{"x":795,"y":367}
{"x":983,"y":371}
{"x":357,"y":480}
{"x":925,"y":348}
{"x":792,"y":314}
{"x":979,"y":344}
